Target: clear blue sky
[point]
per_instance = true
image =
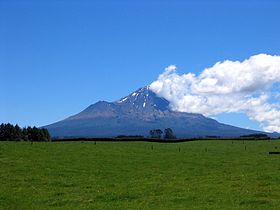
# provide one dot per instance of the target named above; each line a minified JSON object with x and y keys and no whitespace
{"x":58,"y":57}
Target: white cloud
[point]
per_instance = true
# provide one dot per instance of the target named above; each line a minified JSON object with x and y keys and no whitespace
{"x":228,"y":86}
{"x":170,"y":68}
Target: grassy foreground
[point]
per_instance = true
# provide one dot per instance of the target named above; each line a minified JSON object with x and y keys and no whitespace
{"x":140,"y":175}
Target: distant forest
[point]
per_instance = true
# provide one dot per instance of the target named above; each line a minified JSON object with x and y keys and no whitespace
{"x":9,"y":132}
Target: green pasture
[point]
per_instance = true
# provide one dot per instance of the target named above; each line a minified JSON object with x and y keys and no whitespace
{"x":218,"y":174}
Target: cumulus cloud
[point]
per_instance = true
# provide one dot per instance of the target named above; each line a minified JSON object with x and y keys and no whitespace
{"x":228,"y":86}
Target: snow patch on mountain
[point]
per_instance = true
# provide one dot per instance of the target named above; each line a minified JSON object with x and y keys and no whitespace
{"x":122,"y":100}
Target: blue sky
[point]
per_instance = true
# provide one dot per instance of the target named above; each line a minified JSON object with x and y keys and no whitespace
{"x":58,"y":57}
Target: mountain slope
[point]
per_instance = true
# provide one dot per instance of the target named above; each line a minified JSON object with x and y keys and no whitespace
{"x":137,"y":114}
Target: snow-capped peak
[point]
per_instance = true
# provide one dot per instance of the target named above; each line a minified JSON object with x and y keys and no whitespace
{"x":144,"y":99}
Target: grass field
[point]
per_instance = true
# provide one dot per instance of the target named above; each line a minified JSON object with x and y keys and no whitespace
{"x":140,"y":175}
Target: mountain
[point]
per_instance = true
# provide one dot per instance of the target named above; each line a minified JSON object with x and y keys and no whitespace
{"x":137,"y":114}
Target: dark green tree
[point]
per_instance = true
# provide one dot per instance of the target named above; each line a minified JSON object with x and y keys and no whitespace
{"x":17,"y":133}
{"x":2,"y":128}
{"x":168,"y":134}
{"x":156,"y":133}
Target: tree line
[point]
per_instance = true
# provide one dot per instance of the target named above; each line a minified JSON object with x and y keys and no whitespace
{"x":158,"y":134}
{"x":9,"y":132}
